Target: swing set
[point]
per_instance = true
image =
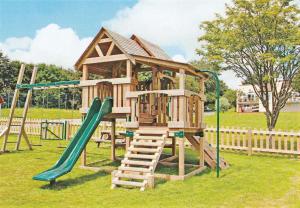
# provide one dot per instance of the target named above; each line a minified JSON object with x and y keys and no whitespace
{"x":29,"y":87}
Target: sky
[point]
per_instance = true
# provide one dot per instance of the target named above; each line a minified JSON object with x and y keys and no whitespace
{"x":57,"y":32}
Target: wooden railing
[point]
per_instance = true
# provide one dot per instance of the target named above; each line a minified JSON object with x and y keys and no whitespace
{"x":176,"y":108}
{"x":256,"y":140}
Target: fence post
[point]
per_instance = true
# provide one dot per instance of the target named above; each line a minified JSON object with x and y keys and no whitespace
{"x":249,"y":136}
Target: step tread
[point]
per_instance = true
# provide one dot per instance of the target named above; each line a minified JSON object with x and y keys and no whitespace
{"x":135,"y":162}
{"x":148,"y":137}
{"x":140,"y":156}
{"x":148,"y":150}
{"x":128,"y":183}
{"x":132,"y":176}
{"x":150,"y":144}
{"x":134,"y":169}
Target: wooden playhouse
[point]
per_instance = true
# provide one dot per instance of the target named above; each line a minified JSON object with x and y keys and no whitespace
{"x":159,"y":111}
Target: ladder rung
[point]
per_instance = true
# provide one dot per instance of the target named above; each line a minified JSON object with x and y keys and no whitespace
{"x":140,"y":156}
{"x":144,"y":170}
{"x":17,"y":116}
{"x":131,"y":176}
{"x":137,"y":162}
{"x":128,"y":183}
{"x":148,"y":150}
{"x":15,"y":125}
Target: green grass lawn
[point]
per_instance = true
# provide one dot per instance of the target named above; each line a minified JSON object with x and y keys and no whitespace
{"x":43,"y":113}
{"x":286,"y":121}
{"x":256,"y":181}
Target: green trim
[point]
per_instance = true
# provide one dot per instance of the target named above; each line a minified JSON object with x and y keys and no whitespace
{"x":215,"y":75}
{"x":51,"y":84}
{"x":179,"y":134}
{"x":129,"y":134}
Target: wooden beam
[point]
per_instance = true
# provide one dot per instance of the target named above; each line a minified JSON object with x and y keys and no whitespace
{"x":105,"y":59}
{"x":98,"y":49}
{"x":24,"y":115}
{"x":181,"y":157}
{"x":13,"y":106}
{"x":110,"y":49}
{"x":105,"y":40}
{"x":128,"y":69}
{"x":113,"y":140}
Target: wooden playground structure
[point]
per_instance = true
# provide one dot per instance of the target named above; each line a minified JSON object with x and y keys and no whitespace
{"x":159,"y":111}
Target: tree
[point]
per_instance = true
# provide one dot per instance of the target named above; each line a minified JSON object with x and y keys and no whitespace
{"x":8,"y":74}
{"x":224,"y":104}
{"x":296,"y":83}
{"x":259,"y":40}
{"x":231,"y":97}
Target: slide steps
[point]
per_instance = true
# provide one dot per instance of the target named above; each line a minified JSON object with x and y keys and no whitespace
{"x":138,"y":166}
{"x":209,"y":153}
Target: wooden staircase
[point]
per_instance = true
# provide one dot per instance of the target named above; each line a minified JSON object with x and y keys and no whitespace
{"x":146,"y":118}
{"x":209,"y":153}
{"x":138,"y":166}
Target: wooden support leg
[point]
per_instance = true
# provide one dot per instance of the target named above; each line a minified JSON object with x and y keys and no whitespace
{"x":181,"y":156}
{"x":83,"y":157}
{"x":127,"y":143}
{"x":173,"y":146}
{"x":201,"y":151}
{"x":113,"y":140}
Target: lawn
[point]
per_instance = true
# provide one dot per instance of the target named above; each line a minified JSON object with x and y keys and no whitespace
{"x":256,"y":181}
{"x":286,"y":121}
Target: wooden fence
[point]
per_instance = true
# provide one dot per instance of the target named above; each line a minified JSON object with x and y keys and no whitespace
{"x":249,"y":140}
{"x":283,"y":142}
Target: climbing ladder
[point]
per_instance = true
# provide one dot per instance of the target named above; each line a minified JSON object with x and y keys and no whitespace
{"x":138,"y":166}
{"x":210,"y":157}
{"x":6,"y":131}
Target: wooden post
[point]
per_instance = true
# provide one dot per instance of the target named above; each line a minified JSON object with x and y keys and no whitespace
{"x":173,"y":146}
{"x":249,"y":136}
{"x":83,"y":157}
{"x":127,"y":143}
{"x":182,"y":79}
{"x":13,"y":106}
{"x":128,"y":69}
{"x":113,"y":140}
{"x":24,"y":115}
{"x":85,"y":104}
{"x":181,"y":156}
{"x":201,"y":151}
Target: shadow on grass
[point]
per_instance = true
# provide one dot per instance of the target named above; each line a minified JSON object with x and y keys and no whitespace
{"x":68,"y":183}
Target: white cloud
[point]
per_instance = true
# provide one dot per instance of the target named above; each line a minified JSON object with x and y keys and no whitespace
{"x":51,"y":44}
{"x":170,"y":23}
{"x":167,"y":23}
{"x":179,"y":58}
{"x":230,"y":79}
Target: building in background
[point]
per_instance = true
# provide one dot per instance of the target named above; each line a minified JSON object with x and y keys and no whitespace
{"x":247,"y":101}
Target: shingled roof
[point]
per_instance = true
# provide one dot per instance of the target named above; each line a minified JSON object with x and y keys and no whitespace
{"x":152,"y":49}
{"x":130,"y":46}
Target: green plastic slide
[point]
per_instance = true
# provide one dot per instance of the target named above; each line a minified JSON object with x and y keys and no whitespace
{"x":79,"y":141}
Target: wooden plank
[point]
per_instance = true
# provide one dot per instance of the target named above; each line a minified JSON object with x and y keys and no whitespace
{"x":105,"y":59}
{"x":105,"y":40}
{"x":110,"y":49}
{"x":98,"y":49}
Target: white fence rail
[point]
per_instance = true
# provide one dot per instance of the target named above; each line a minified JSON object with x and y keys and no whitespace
{"x":250,"y":140}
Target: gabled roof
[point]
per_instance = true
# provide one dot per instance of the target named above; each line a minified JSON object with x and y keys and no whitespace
{"x":152,"y":49}
{"x":130,"y":46}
